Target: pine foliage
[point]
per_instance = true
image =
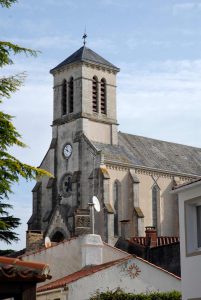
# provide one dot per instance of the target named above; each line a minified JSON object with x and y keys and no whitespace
{"x":11,"y":168}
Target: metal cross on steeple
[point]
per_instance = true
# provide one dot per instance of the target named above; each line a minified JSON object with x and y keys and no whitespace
{"x":84,"y":37}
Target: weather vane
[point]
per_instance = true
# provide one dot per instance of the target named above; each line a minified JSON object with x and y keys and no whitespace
{"x":84,"y":36}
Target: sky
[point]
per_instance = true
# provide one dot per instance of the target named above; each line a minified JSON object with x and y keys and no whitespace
{"x":155,"y":43}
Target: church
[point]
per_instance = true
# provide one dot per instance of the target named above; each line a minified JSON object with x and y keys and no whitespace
{"x":132,"y":176}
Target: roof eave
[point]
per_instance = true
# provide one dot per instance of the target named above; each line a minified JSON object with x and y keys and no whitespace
{"x":113,"y":68}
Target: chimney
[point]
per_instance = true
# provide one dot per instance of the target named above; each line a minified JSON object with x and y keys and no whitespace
{"x":92,"y":250}
{"x":150,"y":236}
{"x":34,"y":239}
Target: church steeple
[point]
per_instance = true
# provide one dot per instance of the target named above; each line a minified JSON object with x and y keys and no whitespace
{"x":87,"y":55}
{"x":85,"y":92}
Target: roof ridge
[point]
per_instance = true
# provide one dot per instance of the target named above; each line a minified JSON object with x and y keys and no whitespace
{"x":83,"y":51}
{"x":158,"y":140}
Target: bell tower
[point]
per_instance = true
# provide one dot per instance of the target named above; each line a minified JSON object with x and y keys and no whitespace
{"x":85,"y":95}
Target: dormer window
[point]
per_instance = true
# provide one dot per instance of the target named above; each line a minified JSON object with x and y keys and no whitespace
{"x":95,"y":94}
{"x":70,"y":95}
{"x":103,"y":96}
{"x":64,"y":97}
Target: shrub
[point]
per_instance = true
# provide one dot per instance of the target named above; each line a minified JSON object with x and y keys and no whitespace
{"x":120,"y":295}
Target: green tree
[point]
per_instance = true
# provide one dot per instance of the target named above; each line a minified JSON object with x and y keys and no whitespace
{"x":11,"y":169}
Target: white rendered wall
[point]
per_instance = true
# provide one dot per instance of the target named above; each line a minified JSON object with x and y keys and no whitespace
{"x":123,"y":275}
{"x":66,"y":257}
{"x":190,"y":266}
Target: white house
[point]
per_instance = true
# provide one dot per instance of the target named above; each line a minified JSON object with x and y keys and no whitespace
{"x":83,"y":265}
{"x":190,"y":238}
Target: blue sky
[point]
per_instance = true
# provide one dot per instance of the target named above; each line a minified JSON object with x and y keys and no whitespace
{"x":156,"y":44}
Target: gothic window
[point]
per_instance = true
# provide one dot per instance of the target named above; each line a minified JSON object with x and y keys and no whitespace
{"x":66,"y":185}
{"x":95,"y":94}
{"x":103,"y":96}
{"x":70,"y":95}
{"x":116,"y":193}
{"x":64,"y":98}
{"x":155,"y":198}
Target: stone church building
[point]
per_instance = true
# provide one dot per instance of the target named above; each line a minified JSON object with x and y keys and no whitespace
{"x":132,"y":176}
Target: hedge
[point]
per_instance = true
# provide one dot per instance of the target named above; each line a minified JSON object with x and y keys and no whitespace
{"x":120,"y":295}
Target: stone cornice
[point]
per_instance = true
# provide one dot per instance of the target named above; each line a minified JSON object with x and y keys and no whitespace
{"x":72,"y":117}
{"x":149,"y":171}
{"x":86,"y":64}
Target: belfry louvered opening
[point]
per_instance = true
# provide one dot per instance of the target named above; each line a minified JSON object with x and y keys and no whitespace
{"x":103,"y":96}
{"x":70,"y":95}
{"x":95,"y":94}
{"x":64,"y":97}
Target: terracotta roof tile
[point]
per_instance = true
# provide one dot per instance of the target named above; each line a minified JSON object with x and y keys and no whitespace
{"x":12,"y":269}
{"x":161,"y":240}
{"x":80,"y":274}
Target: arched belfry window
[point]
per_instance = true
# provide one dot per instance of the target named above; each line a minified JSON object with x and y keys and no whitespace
{"x":116,"y":199}
{"x":155,"y":200}
{"x":64,"y":98}
{"x":95,"y":94}
{"x":103,"y":96}
{"x":70,"y":95}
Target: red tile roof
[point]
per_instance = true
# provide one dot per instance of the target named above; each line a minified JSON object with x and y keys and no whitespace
{"x":161,"y":240}
{"x":62,"y":282}
{"x":13,"y":269}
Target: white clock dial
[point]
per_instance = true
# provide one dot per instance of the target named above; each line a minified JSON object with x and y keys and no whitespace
{"x":67,"y":150}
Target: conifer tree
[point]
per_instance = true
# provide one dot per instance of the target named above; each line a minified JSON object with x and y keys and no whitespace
{"x":11,"y":168}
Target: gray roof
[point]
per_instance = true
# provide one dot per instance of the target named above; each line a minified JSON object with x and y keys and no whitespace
{"x":153,"y":154}
{"x":85,"y":54}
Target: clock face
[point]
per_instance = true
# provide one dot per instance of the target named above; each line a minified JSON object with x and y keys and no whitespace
{"x":67,"y":150}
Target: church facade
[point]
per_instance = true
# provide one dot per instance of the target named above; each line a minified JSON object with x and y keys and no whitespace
{"x":132,"y":176}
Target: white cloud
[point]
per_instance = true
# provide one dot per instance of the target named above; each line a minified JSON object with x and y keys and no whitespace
{"x":186,"y":7}
{"x":164,"y":95}
{"x":46,"y":42}
{"x":103,"y":44}
{"x":118,"y":3}
{"x":62,"y":3}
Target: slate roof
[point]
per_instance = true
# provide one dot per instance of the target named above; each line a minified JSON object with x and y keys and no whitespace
{"x":143,"y":152}
{"x":85,"y":54}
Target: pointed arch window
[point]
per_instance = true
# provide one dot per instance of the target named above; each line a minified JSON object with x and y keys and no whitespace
{"x":71,"y":95}
{"x":116,"y":195}
{"x":95,"y":94}
{"x":155,"y":199}
{"x":103,"y":96}
{"x":64,"y":98}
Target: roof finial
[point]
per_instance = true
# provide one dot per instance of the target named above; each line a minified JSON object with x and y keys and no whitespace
{"x":84,"y":36}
